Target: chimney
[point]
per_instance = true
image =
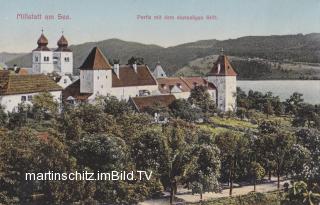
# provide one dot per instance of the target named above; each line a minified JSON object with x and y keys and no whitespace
{"x":116,"y":68}
{"x":135,"y":67}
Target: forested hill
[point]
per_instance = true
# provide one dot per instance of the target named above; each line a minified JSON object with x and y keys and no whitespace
{"x":278,"y":48}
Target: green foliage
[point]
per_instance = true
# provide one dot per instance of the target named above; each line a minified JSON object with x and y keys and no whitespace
{"x":206,"y":169}
{"x":201,"y":98}
{"x":182,"y":109}
{"x":113,"y":106}
{"x":301,"y":194}
{"x":44,"y":107}
{"x":3,"y":117}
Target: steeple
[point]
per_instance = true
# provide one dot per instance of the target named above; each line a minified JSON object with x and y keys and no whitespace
{"x":63,"y":44}
{"x":42,"y":43}
{"x":158,"y":71}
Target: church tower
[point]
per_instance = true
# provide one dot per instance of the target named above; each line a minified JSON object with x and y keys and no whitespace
{"x":158,"y":71}
{"x":42,"y":58}
{"x":63,"y":57}
{"x":223,"y":76}
{"x":96,"y":74}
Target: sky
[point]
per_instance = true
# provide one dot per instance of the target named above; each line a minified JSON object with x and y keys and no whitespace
{"x":95,"y":20}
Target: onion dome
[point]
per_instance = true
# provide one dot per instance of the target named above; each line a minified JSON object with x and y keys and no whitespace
{"x":63,"y":44}
{"x":42,"y":43}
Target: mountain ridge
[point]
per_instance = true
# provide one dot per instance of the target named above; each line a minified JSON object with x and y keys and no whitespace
{"x":292,"y":48}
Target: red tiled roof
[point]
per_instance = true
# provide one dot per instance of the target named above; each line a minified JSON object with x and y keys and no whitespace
{"x":222,"y":67}
{"x":42,"y":44}
{"x":96,"y":61}
{"x":74,"y":91}
{"x":20,"y":84}
{"x":63,"y":45}
{"x":185,"y":84}
{"x":129,"y":77}
{"x":143,"y":102}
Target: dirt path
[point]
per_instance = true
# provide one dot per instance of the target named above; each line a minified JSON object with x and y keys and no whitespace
{"x":188,"y":197}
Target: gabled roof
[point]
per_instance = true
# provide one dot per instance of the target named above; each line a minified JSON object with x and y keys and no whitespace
{"x":129,"y":77}
{"x":22,"y":84}
{"x":42,"y":44}
{"x":185,"y":84}
{"x":144,"y":102}
{"x":222,"y":67}
{"x":96,"y":61}
{"x":73,"y":90}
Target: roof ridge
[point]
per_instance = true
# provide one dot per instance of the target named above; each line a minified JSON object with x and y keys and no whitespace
{"x":185,"y":82}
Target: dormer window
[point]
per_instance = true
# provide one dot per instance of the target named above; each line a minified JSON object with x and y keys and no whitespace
{"x":195,"y":84}
{"x":179,"y":85}
{"x":163,"y":86}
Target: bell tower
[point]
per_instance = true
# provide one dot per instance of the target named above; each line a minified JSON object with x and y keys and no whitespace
{"x":63,"y":57}
{"x":42,"y":57}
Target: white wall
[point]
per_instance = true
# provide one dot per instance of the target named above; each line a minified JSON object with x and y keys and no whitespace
{"x":62,"y":64}
{"x":39,"y":65}
{"x":11,"y":102}
{"x":86,"y":81}
{"x":226,"y":89}
{"x":132,"y":91}
{"x":231,"y":91}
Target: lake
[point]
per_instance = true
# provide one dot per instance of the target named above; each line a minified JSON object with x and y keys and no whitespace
{"x":284,"y":88}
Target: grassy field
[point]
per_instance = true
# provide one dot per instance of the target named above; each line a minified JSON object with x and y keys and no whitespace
{"x":221,"y":124}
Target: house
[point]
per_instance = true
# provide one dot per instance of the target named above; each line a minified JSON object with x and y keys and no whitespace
{"x":99,"y":78}
{"x":16,"y":89}
{"x":143,"y":103}
{"x":181,"y":87}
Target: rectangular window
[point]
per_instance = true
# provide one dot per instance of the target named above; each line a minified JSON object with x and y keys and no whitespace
{"x":23,"y":98}
{"x":29,"y":97}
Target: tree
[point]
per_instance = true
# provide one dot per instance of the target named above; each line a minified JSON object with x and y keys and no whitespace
{"x":268,"y":109}
{"x":178,"y":158}
{"x":301,"y":194}
{"x":148,"y":150}
{"x":293,"y":102}
{"x":181,"y":108}
{"x":137,"y":60}
{"x":276,"y":147}
{"x":206,"y":169}
{"x":87,"y":119}
{"x":233,"y":147}
{"x":44,"y":106}
{"x":258,"y":172}
{"x":310,"y":139}
{"x":3,"y":117}
{"x":307,"y":114}
{"x":28,"y":151}
{"x":200,"y":97}
{"x":113,"y":106}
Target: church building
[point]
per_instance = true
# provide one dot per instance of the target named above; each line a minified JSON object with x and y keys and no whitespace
{"x":47,"y":61}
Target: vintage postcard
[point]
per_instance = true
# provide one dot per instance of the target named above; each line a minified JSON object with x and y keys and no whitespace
{"x":127,"y":102}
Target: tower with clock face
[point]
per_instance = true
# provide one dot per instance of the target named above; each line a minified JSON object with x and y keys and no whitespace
{"x":42,"y":57}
